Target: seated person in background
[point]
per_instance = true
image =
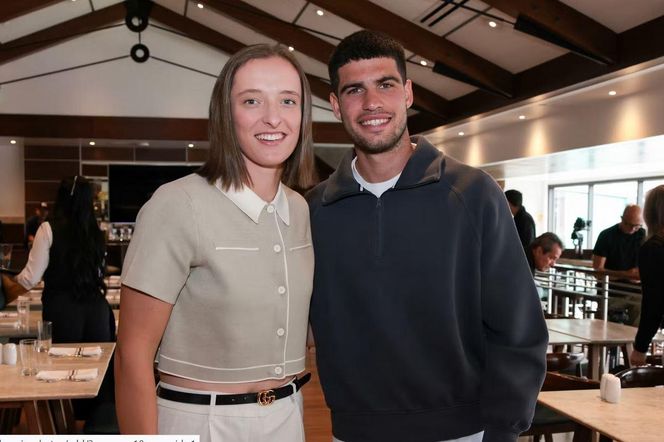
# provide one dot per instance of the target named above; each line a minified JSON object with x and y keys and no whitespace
{"x":616,"y":251}
{"x":651,"y":264}
{"x":544,"y":252}
{"x":525,"y":224}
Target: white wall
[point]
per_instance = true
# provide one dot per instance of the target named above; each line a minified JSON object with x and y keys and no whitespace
{"x":12,"y":191}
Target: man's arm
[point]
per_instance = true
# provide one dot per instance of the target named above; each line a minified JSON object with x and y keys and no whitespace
{"x":516,"y":336}
{"x":600,"y":261}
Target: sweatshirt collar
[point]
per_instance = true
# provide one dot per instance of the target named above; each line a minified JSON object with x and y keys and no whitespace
{"x":423,"y":167}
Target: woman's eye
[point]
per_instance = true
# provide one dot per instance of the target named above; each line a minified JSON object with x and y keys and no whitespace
{"x":289,"y":101}
{"x":250,"y":101}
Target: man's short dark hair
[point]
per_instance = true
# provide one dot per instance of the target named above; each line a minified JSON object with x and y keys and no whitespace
{"x":546,"y":241}
{"x":514,"y":197}
{"x":365,"y":45}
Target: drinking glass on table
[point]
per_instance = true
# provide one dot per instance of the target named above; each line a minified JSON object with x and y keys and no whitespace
{"x":23,"y":310}
{"x":6,"y":255}
{"x":44,"y":336}
{"x":27,"y":348}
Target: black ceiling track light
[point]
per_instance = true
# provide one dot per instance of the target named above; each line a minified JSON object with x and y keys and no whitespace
{"x":137,"y":18}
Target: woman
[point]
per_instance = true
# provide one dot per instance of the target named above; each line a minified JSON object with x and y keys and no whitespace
{"x":68,"y":254}
{"x":219,"y":271}
{"x":651,"y":263}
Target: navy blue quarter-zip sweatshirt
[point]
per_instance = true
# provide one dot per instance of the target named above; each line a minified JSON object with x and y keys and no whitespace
{"x":425,"y":315}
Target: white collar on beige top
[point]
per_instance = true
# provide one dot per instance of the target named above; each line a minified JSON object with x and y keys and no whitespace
{"x":251,"y":204}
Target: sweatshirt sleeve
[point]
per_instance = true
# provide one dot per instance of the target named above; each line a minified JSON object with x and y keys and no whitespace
{"x":516,"y":336}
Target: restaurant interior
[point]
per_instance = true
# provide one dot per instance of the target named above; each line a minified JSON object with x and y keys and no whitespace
{"x":559,"y":99}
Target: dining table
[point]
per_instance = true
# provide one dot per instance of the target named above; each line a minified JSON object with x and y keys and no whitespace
{"x":597,"y":334}
{"x":635,"y":418}
{"x":47,"y":405}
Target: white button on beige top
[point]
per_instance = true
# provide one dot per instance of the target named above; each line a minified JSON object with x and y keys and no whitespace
{"x":281,"y":290}
{"x":270,"y":209}
{"x":278,"y":370}
{"x":277,"y":248}
{"x":280,"y":332}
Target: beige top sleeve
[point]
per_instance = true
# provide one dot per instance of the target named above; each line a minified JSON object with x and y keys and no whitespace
{"x":164,"y":245}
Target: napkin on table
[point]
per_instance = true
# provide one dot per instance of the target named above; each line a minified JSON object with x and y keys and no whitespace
{"x":81,"y":374}
{"x":75,"y":351}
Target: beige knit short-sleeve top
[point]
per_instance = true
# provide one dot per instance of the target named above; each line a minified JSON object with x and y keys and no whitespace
{"x":238,"y":272}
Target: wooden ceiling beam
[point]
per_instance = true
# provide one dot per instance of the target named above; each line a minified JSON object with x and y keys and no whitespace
{"x":638,"y":45}
{"x":568,"y":24}
{"x":10,"y":9}
{"x":457,"y":62}
{"x":139,"y":128}
{"x":306,"y":43}
{"x":56,"y":34}
{"x":201,"y":33}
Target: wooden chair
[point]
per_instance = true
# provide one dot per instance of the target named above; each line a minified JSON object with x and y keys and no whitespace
{"x":546,"y":421}
{"x":646,"y":376}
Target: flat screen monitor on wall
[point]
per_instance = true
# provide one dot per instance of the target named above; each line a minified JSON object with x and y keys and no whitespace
{"x":130,"y":186}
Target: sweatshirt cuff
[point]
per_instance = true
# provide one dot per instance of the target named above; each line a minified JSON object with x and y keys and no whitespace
{"x":499,"y":435}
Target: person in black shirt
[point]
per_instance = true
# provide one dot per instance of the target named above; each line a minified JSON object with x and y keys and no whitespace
{"x":651,"y":263}
{"x":525,"y":224}
{"x":617,"y":252}
{"x":32,"y":224}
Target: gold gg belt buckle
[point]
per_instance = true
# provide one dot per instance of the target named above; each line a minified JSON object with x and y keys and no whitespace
{"x":266,"y":397}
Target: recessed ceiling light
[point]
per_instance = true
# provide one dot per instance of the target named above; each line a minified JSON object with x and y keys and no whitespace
{"x":493,"y":24}
{"x":12,"y":141}
{"x":320,"y":12}
{"x":291,"y":48}
{"x":423,"y":62}
{"x":612,"y":93}
{"x":91,"y":143}
{"x":190,"y":145}
{"x":461,"y":134}
{"x":522,"y":117}
{"x":200,"y":6}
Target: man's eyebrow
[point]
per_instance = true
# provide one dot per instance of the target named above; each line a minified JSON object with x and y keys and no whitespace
{"x":378,"y":81}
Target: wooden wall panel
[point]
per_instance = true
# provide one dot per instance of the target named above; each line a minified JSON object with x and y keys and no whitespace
{"x":160,"y":154}
{"x":41,"y":190}
{"x":98,"y":153}
{"x":50,"y":170}
{"x":51,"y":152}
{"x":197,"y":155}
{"x":96,"y":170}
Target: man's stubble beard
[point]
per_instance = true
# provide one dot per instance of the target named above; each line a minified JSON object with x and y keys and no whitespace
{"x":378,"y":147}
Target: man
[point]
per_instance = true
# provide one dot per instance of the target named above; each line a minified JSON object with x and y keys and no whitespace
{"x":616,"y":252}
{"x":544,"y":251}
{"x":425,"y":316}
{"x":33,"y":223}
{"x":525,"y":225}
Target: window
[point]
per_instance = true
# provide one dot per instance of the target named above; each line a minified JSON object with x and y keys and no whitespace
{"x":609,"y":201}
{"x":569,"y":203}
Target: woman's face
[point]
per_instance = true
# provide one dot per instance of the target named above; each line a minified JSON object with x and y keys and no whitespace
{"x":266,"y":99}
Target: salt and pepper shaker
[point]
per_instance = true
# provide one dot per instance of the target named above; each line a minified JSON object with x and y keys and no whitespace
{"x":9,"y":354}
{"x":609,"y":388}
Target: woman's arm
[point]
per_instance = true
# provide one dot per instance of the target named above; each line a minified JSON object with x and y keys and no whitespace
{"x":143,"y":320}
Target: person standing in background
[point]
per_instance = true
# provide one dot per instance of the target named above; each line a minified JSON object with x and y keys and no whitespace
{"x":33,"y":223}
{"x":651,"y":265}
{"x":525,"y":225}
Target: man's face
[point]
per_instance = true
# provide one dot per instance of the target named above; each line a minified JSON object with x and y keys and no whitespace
{"x":632,"y":221}
{"x":543,"y":261}
{"x":372,"y":102}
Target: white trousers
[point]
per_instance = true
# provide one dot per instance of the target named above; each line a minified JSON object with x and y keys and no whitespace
{"x":279,"y":422}
{"x":477,"y":437}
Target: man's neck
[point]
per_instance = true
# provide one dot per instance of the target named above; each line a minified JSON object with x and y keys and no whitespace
{"x":379,"y":167}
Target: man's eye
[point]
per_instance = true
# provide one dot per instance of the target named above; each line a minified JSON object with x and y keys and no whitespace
{"x":386,"y":85}
{"x":353,"y":90}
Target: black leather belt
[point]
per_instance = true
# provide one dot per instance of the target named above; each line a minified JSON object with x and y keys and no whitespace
{"x":265,"y":397}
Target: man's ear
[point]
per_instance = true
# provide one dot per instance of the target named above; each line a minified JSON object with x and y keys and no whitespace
{"x":409,"y":93}
{"x":334,"y":101}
